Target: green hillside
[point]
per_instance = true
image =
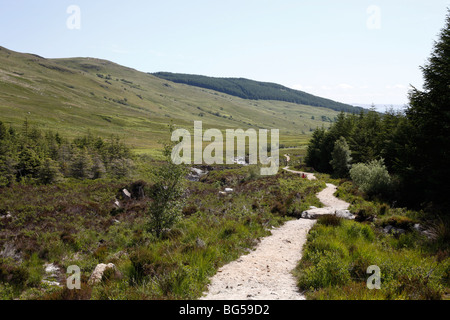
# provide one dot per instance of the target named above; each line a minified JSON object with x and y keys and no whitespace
{"x":254,"y":90}
{"x":80,"y":94}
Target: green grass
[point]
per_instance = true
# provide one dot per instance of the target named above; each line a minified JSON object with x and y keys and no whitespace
{"x":338,"y":253}
{"x":67,"y":95}
{"x":76,"y":223}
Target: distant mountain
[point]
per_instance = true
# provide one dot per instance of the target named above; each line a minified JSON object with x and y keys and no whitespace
{"x":77,"y":95}
{"x":254,"y":90}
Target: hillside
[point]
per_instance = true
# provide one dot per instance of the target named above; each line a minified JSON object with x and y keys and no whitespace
{"x":80,"y":94}
{"x":254,"y":90}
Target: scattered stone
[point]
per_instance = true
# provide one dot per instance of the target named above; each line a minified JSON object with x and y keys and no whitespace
{"x":312,"y":207}
{"x":10,"y":252}
{"x":7,"y":216}
{"x":100,"y":269}
{"x":196,"y":174}
{"x":52,"y":275}
{"x":51,"y":283}
{"x":228,"y":190}
{"x":117,"y":204}
{"x":126,"y":194}
{"x":51,"y":268}
{"x":222,"y":193}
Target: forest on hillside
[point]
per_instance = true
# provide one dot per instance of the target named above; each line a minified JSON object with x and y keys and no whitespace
{"x":254,"y":90}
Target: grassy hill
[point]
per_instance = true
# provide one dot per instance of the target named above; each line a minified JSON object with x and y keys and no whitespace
{"x":254,"y":90}
{"x":80,"y":94}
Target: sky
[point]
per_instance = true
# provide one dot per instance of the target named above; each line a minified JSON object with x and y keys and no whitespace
{"x":351,"y":51}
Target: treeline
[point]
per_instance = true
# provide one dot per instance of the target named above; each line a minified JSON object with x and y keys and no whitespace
{"x":30,"y":155}
{"x":414,"y":145}
{"x":254,"y":90}
{"x":386,"y":142}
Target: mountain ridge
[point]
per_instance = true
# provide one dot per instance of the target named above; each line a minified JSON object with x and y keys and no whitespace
{"x":256,"y":90}
{"x":76,"y":95}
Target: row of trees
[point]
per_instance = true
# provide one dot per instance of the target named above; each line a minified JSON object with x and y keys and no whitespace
{"x":414,"y":145}
{"x":31,"y":155}
{"x":249,"y":89}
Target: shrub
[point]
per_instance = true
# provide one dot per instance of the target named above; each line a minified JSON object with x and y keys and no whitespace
{"x":329,"y":271}
{"x":330,"y":220}
{"x":167,"y":205}
{"x":371,"y":178}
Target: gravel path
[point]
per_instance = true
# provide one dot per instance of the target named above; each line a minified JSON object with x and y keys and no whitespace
{"x":265,"y":273}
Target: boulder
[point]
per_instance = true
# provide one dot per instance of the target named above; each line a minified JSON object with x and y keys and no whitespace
{"x":309,"y":214}
{"x":100,"y":269}
{"x":345,"y":214}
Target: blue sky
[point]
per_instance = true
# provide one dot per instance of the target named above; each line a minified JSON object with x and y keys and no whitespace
{"x":353,"y":51}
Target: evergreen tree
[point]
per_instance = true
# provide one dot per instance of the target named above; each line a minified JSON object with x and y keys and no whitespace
{"x":341,"y":158}
{"x":165,"y":209}
{"x":429,"y":115}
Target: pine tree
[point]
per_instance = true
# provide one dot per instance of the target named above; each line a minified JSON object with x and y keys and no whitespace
{"x":341,"y":158}
{"x":429,"y":114}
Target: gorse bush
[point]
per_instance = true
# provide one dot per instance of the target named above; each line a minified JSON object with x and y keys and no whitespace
{"x":371,"y":178}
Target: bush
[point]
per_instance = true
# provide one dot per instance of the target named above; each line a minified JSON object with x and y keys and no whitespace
{"x":371,"y":178}
{"x":330,"y":220}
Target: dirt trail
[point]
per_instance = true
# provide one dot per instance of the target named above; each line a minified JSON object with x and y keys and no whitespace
{"x":265,"y":273}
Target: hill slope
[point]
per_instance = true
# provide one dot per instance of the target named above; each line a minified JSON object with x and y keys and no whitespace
{"x":254,"y":90}
{"x":80,"y":94}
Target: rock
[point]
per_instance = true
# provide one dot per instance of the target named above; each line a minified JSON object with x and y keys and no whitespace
{"x":312,"y":207}
{"x":196,"y":174}
{"x":9,"y":251}
{"x":309,"y":215}
{"x":117,"y":204}
{"x":392,"y":230}
{"x":222,"y":193}
{"x":228,"y":190}
{"x":51,"y":268}
{"x":7,"y":216}
{"x":345,"y":214}
{"x":52,"y":275}
{"x":51,"y":283}
{"x":126,"y":194}
{"x":200,"y":243}
{"x":100,"y":269}
{"x":240,"y":160}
